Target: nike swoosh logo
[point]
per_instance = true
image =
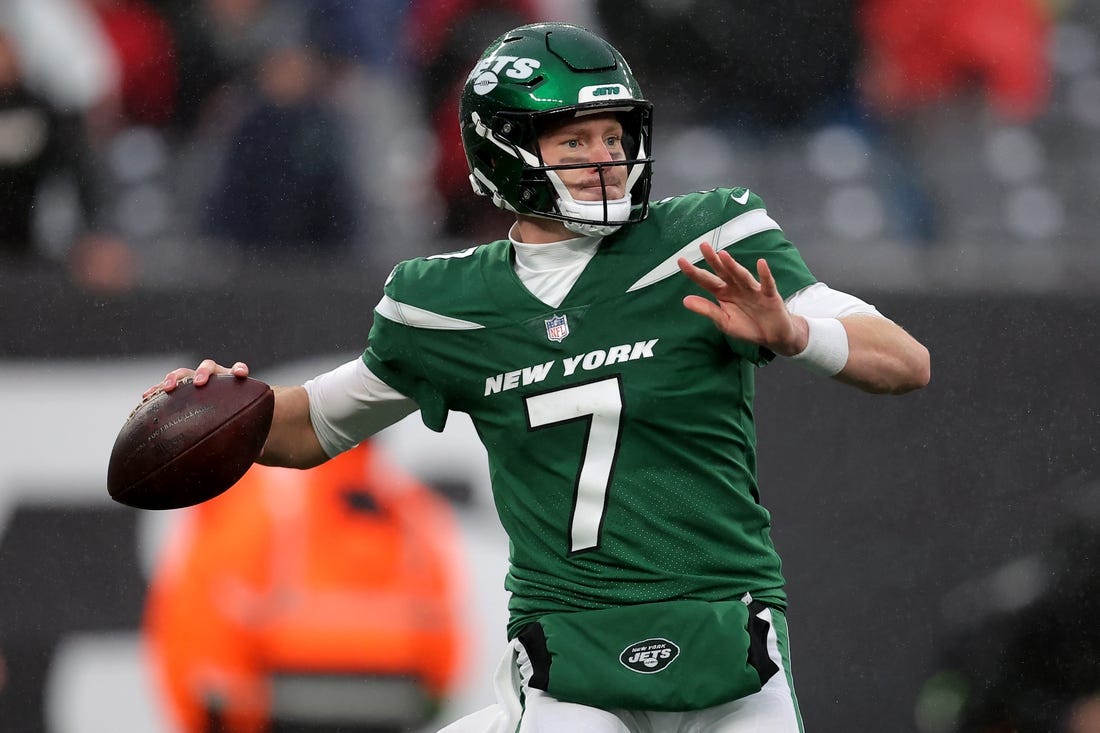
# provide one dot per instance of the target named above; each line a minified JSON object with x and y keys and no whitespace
{"x":742,"y":199}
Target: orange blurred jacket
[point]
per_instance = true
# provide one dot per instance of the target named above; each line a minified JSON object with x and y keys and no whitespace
{"x":347,"y":569}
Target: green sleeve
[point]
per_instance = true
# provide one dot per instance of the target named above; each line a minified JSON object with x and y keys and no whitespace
{"x":392,"y":355}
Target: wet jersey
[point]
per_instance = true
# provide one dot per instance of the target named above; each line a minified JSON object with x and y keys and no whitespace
{"x":618,"y":425}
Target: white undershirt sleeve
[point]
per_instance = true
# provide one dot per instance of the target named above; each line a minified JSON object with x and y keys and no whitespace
{"x":821,"y":301}
{"x":350,"y":403}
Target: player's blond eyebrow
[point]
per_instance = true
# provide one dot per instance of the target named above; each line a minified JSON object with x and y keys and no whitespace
{"x":574,"y":126}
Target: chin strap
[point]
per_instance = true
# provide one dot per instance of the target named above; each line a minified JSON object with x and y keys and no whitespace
{"x":592,"y":230}
{"x":593,"y":211}
{"x":589,"y":216}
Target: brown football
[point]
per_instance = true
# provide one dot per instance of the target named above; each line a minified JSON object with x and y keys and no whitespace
{"x":183,"y":447}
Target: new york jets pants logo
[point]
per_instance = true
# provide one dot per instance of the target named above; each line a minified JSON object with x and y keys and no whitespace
{"x":649,"y":656}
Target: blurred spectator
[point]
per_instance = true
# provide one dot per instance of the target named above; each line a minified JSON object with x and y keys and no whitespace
{"x":40,"y":144}
{"x":285,"y":181}
{"x":922,"y":57}
{"x":31,"y":147}
{"x":108,"y":66}
{"x":145,"y":55}
{"x":370,"y":87}
{"x":239,"y":35}
{"x":65,"y":54}
{"x":924,"y":52}
{"x":202,"y":72}
{"x":220,"y":43}
{"x":358,"y":31}
{"x":130,"y":147}
{"x":245,"y":30}
{"x":321,"y":600}
{"x":446,"y":37}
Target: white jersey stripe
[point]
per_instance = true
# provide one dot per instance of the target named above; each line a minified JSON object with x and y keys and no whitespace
{"x":410,"y":315}
{"x":733,"y":231}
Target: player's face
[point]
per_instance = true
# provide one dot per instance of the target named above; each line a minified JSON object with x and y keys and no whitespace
{"x":592,"y":139}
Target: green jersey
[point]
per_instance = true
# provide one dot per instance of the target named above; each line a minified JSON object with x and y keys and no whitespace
{"x":618,"y":425}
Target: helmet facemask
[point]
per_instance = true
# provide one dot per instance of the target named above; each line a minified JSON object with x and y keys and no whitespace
{"x":541,"y":190}
{"x":605,"y":215}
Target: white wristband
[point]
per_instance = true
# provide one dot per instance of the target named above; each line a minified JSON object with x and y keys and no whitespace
{"x":826,"y":349}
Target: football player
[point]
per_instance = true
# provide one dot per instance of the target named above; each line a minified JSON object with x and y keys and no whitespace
{"x":605,"y":351}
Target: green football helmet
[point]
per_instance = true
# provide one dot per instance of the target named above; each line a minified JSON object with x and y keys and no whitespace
{"x":541,"y":71}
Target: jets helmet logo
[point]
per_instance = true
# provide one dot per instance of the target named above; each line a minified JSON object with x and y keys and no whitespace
{"x":557,"y":328}
{"x":649,"y":656}
{"x":486,"y":75}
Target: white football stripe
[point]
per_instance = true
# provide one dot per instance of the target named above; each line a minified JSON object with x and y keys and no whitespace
{"x":733,"y":231}
{"x":410,"y":315}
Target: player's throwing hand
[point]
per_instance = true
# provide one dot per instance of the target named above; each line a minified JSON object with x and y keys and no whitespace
{"x":745,"y":308}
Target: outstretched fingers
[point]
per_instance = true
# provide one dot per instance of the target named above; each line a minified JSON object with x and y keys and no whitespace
{"x":730,"y":270}
{"x":703,"y":278}
{"x":704,"y":307}
{"x":727,"y":274}
{"x":767,"y":280}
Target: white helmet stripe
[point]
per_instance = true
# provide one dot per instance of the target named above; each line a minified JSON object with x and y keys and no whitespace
{"x":637,"y":170}
{"x":491,"y":188}
{"x":559,"y":186}
{"x":514,"y":150}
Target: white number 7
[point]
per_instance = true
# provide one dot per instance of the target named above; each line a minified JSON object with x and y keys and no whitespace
{"x":600,"y":404}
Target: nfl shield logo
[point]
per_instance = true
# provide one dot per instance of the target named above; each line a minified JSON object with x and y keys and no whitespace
{"x":557,"y":328}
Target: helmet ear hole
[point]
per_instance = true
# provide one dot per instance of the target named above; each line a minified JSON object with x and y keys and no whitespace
{"x":485,"y":160}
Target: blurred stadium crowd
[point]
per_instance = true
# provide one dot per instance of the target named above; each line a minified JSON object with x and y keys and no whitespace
{"x":149,"y":143}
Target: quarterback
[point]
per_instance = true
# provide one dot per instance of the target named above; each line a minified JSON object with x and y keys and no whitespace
{"x":605,"y":351}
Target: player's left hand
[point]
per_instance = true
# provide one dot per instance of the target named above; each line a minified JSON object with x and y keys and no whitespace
{"x":743,"y":307}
